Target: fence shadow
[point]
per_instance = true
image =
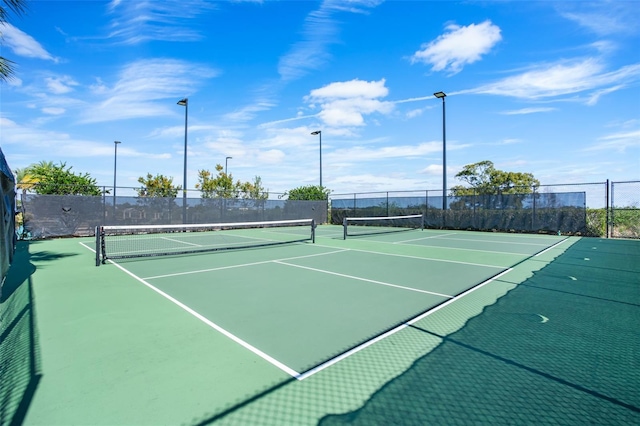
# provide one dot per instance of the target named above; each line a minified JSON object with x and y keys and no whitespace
{"x":535,"y":356}
{"x":20,"y":366}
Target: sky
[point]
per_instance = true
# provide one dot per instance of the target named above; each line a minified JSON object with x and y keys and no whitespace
{"x":542,"y":87}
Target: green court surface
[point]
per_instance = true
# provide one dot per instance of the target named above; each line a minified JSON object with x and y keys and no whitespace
{"x":417,"y":327}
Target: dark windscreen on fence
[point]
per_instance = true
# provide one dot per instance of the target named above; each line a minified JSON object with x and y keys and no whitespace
{"x":533,"y":212}
{"x":78,"y":215}
{"x":7,"y":221}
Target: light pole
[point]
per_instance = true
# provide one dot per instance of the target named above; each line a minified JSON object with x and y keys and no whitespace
{"x":319,"y":133}
{"x":442,"y":95}
{"x":225,"y":164}
{"x":185,"y":103}
{"x":115,"y":162}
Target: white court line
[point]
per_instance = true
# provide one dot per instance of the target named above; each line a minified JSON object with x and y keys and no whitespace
{"x":423,"y":238}
{"x":454,"y":248}
{"x":549,"y":248}
{"x":361,"y":279}
{"x":179,"y":241}
{"x":495,"y":242}
{"x":402,"y":326}
{"x":278,"y":364}
{"x":213,"y":325}
{"x":242,"y":265}
{"x":418,"y":257}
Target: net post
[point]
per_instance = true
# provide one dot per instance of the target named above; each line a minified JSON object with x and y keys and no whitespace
{"x":422,"y":222}
{"x":97,"y":245}
{"x":344,"y":228}
{"x":313,"y":231}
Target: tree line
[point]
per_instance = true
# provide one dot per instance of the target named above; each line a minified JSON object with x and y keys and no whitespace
{"x":45,"y":177}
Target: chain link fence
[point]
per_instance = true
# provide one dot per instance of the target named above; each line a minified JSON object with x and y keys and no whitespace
{"x":590,"y":209}
{"x":45,"y":216}
{"x":571,"y":209}
{"x":625,"y":209}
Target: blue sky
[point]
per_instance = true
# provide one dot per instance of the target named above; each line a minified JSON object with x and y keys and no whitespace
{"x":550,"y":88}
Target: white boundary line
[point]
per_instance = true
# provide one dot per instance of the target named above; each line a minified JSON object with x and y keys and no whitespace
{"x":455,"y":248}
{"x":419,"y":258}
{"x":213,"y":325}
{"x":242,"y":265}
{"x":423,"y":238}
{"x":308,"y":373}
{"x":549,"y":248}
{"x":402,"y":326}
{"x":477,"y":241}
{"x":361,"y":279}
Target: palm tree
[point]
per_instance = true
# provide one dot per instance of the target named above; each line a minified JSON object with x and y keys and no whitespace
{"x":30,"y":176}
{"x":18,"y":7}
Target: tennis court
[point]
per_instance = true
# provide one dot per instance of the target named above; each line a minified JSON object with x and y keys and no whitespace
{"x":290,"y":333}
{"x":298,"y":306}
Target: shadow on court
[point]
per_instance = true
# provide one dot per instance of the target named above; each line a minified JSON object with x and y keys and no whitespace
{"x":19,"y":348}
{"x":559,"y":348}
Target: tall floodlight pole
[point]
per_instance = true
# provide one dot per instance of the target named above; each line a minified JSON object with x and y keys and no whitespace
{"x":319,"y":133}
{"x":185,"y":103}
{"x":115,"y":162}
{"x":225,"y":164}
{"x":442,"y":95}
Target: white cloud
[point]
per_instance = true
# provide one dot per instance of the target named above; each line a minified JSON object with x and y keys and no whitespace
{"x":60,"y":85}
{"x":362,"y":153}
{"x":603,"y":18}
{"x":532,"y":110}
{"x":458,"y":47}
{"x":433,"y":170}
{"x":53,"y":110}
{"x":23,"y":44}
{"x":141,"y":84}
{"x":619,"y":142}
{"x":319,"y":31}
{"x":351,"y":89}
{"x":168,"y":20}
{"x":560,"y":78}
{"x":344,"y":104}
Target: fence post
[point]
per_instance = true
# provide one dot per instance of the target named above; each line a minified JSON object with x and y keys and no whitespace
{"x":387,"y":203}
{"x":533,"y":215}
{"x":606,"y":201}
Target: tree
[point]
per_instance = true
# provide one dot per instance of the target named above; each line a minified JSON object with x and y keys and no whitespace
{"x":487,"y":185}
{"x":484,"y":179}
{"x":47,"y":178}
{"x":157,"y":186}
{"x":309,"y":192}
{"x":18,"y":7}
{"x":222,"y":186}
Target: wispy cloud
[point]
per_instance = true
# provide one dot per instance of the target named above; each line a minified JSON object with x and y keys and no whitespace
{"x":22,"y":44}
{"x":60,"y":85}
{"x":560,"y":78}
{"x":525,"y":111}
{"x":320,"y":30}
{"x":458,"y":47}
{"x":140,"y":84}
{"x":619,"y":142}
{"x":139,"y":21}
{"x":603,"y":18}
{"x":60,"y":145}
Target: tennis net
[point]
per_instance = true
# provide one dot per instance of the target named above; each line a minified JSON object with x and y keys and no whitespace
{"x":354,"y":226}
{"x":125,"y":242}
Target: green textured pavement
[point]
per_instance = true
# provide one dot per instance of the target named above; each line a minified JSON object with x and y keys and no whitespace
{"x":95,"y":345}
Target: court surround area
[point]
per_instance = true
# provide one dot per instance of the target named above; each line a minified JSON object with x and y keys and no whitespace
{"x":415,"y":327}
